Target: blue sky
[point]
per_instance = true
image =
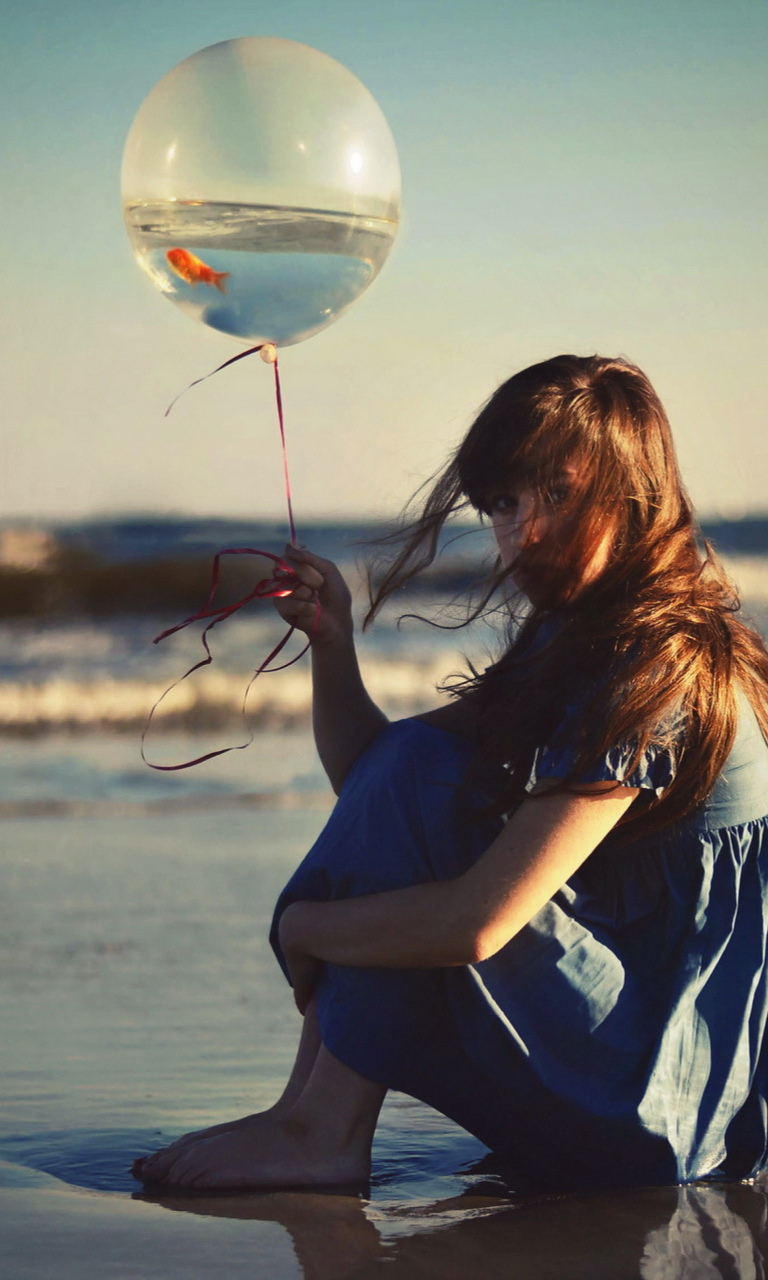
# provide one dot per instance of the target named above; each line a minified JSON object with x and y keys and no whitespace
{"x":577,"y":175}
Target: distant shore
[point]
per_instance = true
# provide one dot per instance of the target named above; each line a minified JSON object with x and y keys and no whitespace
{"x":80,"y":606}
{"x":161,"y":566}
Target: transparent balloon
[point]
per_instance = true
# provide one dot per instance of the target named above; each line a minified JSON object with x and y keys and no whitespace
{"x":261,"y":188}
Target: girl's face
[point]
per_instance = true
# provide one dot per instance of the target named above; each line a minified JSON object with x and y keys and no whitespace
{"x":521,"y":517}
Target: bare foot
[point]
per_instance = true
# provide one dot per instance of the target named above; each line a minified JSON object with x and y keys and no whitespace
{"x":280,"y":1152}
{"x":258,"y":1117}
{"x":137,"y":1168}
{"x":309,"y":1045}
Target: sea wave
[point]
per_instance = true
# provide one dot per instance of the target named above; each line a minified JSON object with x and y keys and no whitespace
{"x":89,"y":676}
{"x":274,"y":701}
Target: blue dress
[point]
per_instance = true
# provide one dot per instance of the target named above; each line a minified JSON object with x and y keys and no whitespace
{"x":619,"y":1037}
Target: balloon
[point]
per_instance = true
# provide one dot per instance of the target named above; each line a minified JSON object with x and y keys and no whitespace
{"x":261,"y":188}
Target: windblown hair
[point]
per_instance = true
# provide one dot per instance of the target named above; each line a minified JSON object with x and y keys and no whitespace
{"x":649,"y":648}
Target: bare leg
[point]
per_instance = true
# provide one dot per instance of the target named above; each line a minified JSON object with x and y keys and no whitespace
{"x":323,"y":1138}
{"x":302,"y":1068}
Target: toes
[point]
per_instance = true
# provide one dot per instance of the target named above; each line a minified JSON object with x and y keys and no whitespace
{"x":174,"y":1166}
{"x":155,"y":1173}
{"x":185,"y":1174}
{"x":213,"y":1162}
{"x":151,"y":1168}
{"x":155,"y":1167}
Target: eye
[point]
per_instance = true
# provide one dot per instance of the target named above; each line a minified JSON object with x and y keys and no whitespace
{"x":500,"y":502}
{"x":557,"y":496}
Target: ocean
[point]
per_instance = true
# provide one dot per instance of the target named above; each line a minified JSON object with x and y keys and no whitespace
{"x":80,"y":658}
{"x":139,"y":998}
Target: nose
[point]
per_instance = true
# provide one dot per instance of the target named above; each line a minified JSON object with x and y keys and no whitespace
{"x":531,"y":520}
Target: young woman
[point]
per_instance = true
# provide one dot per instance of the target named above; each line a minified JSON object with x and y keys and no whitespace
{"x":542,"y":908}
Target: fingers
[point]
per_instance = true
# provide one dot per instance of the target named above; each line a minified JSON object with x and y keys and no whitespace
{"x":303,"y":554}
{"x":301,"y":614}
{"x":301,"y":595}
{"x":320,"y":605}
{"x":298,"y":606}
{"x":312,"y":570}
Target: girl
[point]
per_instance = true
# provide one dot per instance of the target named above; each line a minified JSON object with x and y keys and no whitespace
{"x":541,"y":908}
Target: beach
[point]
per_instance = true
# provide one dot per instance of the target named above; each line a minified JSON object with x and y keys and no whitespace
{"x":656,"y":1234}
{"x":140,"y":999}
{"x":468,"y":189}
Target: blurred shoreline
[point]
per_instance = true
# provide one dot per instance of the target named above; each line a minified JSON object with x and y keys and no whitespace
{"x":81,"y":604}
{"x":35,"y":708}
{"x":162,"y":565}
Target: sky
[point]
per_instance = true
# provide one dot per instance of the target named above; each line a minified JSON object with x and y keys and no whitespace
{"x":578,"y":175}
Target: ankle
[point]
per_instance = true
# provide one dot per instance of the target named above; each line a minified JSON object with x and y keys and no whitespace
{"x":333,"y":1131}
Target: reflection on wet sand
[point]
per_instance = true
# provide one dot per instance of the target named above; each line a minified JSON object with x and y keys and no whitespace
{"x":332,"y":1236}
{"x":715,"y":1232}
{"x":698,"y":1232}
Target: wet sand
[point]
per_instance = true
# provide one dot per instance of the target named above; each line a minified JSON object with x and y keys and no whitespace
{"x":139,"y":999}
{"x":695,"y":1233}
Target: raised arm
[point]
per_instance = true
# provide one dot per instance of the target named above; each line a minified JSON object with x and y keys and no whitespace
{"x":467,"y":919}
{"x":345,"y":719}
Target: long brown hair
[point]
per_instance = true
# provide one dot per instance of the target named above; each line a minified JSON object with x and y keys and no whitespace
{"x":651,"y":648}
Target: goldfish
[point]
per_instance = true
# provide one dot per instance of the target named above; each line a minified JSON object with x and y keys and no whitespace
{"x":194,"y":270}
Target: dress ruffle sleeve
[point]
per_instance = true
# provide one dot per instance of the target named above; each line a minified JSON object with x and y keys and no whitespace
{"x":654,"y":771}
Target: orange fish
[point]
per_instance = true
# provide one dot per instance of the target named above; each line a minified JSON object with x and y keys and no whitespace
{"x":194,"y":270}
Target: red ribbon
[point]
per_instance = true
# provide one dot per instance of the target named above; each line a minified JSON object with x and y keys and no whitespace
{"x":278,"y":400}
{"x":281,"y":583}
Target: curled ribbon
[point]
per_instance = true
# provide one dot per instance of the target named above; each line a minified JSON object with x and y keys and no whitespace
{"x":281,"y":582}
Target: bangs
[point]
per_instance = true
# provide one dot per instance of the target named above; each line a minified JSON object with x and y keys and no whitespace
{"x":527,"y":449}
{"x":487,"y":467}
{"x":533,"y":465}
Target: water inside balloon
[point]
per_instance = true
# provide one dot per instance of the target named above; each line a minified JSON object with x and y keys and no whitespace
{"x":290,"y":272}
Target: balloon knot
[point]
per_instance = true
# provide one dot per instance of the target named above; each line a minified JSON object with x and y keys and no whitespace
{"x":268,"y":353}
